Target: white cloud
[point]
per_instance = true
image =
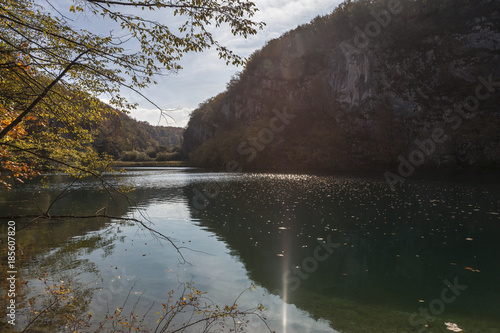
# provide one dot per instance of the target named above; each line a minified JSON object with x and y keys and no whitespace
{"x":174,"y":117}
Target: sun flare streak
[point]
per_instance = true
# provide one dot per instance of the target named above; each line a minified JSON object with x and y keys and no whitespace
{"x":284,"y":306}
{"x":285,"y":296}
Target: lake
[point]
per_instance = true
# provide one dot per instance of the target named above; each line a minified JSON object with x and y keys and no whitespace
{"x":336,"y":253}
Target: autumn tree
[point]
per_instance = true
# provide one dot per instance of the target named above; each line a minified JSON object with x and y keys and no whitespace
{"x":52,"y":74}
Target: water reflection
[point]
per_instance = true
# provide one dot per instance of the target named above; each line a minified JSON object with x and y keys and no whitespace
{"x":343,"y":248}
{"x":51,"y":251}
{"x":395,"y":249}
{"x":113,"y":263}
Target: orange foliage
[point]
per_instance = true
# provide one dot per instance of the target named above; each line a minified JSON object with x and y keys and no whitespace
{"x":8,"y":163}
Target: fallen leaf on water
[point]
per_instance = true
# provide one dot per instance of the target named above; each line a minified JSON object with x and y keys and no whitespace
{"x":453,"y":327}
{"x":472,"y":269}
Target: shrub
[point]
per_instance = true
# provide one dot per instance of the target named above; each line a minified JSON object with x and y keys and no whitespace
{"x":134,"y":155}
{"x":166,"y":156}
{"x":130,"y":155}
{"x":151,"y":152}
{"x":142,"y":157}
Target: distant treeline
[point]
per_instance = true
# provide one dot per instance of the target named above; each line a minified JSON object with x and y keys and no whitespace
{"x":127,"y":139}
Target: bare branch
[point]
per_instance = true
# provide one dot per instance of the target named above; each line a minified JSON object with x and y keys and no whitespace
{"x":121,"y":218}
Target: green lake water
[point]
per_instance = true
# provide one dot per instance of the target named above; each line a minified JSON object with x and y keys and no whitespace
{"x":338,"y":253}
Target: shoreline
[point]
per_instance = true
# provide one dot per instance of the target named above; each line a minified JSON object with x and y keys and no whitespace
{"x":318,"y":171}
{"x":127,"y":164}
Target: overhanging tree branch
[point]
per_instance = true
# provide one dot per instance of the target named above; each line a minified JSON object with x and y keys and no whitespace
{"x":30,"y":108}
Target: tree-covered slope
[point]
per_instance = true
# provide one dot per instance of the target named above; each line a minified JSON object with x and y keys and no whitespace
{"x":120,"y":133}
{"x":373,"y":85}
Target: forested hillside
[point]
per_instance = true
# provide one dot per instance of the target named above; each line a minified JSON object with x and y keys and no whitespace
{"x":121,"y":134}
{"x":375,"y":84}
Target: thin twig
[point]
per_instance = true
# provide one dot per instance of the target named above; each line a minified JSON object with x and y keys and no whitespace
{"x":34,"y":319}
{"x":131,"y":219}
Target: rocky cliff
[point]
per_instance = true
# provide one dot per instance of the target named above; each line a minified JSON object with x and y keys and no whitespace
{"x":374,"y":85}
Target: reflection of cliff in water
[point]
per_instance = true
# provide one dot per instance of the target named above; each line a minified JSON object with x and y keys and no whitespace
{"x":394,"y":248}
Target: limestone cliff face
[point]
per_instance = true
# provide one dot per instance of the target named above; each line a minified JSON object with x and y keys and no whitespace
{"x":363,"y":88}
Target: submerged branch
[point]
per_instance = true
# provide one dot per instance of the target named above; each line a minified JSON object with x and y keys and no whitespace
{"x":121,"y":218}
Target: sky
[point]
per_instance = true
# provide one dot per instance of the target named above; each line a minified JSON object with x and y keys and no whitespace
{"x":204,"y":75}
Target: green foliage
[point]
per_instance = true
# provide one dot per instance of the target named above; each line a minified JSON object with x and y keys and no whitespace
{"x":132,"y":156}
{"x":158,"y":153}
{"x":164,"y":156}
{"x":120,"y":133}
